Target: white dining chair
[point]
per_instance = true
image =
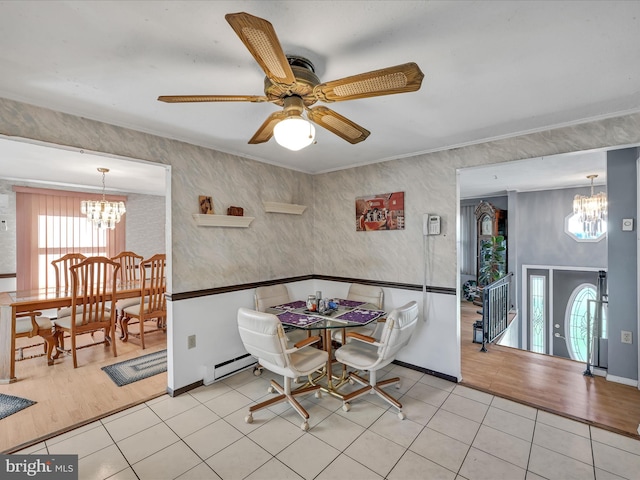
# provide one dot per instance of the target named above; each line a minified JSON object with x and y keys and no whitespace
{"x":363,"y":293}
{"x":263,"y":337}
{"x":370,"y":354}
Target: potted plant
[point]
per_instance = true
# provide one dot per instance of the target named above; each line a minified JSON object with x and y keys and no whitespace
{"x":493,"y":260}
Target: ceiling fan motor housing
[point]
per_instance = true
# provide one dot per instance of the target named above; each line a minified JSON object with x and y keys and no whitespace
{"x":306,"y":80}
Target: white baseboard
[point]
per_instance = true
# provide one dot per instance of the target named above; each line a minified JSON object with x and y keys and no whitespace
{"x":623,"y":380}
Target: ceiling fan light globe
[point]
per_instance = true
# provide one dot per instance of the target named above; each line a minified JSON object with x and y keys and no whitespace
{"x":294,"y":133}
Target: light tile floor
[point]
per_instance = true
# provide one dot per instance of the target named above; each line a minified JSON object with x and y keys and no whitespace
{"x":451,"y":432}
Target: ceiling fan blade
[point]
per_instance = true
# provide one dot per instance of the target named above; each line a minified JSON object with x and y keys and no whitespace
{"x":265,"y":132}
{"x":212,"y":98}
{"x":260,"y":38}
{"x":387,"y":81}
{"x":336,"y":123}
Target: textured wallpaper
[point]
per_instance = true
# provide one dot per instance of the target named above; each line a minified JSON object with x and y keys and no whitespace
{"x":323,"y":240}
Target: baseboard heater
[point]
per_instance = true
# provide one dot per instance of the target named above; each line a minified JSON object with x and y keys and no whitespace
{"x":229,"y":367}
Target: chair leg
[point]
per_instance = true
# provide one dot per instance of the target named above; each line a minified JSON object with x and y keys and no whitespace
{"x":373,"y":387}
{"x":124,"y":327}
{"x":285,"y":395}
{"x":384,"y":395}
{"x":58,"y":336}
{"x":113,"y":339}
{"x":73,"y":351}
{"x":141,"y":323}
{"x":50,"y":342}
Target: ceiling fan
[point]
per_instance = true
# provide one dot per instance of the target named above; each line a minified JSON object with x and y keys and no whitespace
{"x":291,"y":83}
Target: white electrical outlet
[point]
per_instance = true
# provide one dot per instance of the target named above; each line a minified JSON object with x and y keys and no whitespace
{"x":191,"y":341}
{"x":626,"y":337}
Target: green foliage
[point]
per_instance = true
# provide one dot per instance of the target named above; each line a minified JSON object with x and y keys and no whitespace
{"x":493,"y":260}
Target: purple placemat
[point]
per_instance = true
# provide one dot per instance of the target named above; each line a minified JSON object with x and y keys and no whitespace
{"x":291,"y":305}
{"x":297,"y":319}
{"x":350,"y":303}
{"x":360,"y":315}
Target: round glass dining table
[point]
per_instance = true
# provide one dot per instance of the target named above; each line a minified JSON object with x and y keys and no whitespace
{"x":348,"y":314}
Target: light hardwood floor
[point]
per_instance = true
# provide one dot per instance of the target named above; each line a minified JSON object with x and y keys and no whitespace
{"x":68,"y":397}
{"x":549,"y":383}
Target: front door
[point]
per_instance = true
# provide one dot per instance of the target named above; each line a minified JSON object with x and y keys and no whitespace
{"x":558,"y":301}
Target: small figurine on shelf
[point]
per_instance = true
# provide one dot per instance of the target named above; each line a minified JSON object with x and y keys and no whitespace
{"x":235,"y":211}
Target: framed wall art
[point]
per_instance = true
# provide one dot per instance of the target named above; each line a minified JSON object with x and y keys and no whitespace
{"x":206,"y":205}
{"x":383,"y":211}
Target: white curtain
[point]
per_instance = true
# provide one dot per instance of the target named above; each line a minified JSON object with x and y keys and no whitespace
{"x":468,"y":240}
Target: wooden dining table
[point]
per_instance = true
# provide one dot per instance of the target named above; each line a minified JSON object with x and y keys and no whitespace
{"x":12,"y":303}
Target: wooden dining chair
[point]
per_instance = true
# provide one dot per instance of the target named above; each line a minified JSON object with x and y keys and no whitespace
{"x":93,"y":282}
{"x":152,"y":304}
{"x":129,"y":274}
{"x":62,"y":267}
{"x":32,"y":324}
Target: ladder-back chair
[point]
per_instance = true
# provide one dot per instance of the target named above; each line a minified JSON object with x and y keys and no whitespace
{"x":62,"y":267}
{"x":129,"y":274}
{"x":93,"y":284}
{"x":152,"y":304}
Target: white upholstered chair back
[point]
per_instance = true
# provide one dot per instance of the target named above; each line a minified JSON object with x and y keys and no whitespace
{"x":366,"y":293}
{"x":397,"y":330}
{"x":263,"y":337}
{"x":271,"y":295}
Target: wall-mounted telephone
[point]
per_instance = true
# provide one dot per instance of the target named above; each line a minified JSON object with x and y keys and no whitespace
{"x":431,"y":224}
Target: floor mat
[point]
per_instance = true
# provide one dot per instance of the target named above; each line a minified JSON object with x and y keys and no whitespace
{"x":129,"y":371}
{"x":10,"y":404}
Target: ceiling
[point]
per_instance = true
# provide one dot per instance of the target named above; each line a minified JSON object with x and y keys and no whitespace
{"x":492,"y":70}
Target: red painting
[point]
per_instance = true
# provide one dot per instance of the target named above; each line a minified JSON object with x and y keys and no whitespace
{"x":384,"y":211}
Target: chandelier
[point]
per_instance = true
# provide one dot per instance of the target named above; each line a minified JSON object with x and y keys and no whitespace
{"x":591,"y":211}
{"x":101,"y":213}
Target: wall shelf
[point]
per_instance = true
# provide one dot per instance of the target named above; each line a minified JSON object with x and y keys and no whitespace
{"x":278,"y":207}
{"x":222,"y":220}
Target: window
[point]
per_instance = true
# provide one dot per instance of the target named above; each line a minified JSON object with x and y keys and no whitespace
{"x":538,"y":313}
{"x":49,"y":225}
{"x":573,"y":228}
{"x":576,"y":320}
{"x":57,"y":233}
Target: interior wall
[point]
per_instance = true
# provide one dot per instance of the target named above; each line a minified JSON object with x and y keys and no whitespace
{"x":274,"y":246}
{"x":8,"y":237}
{"x":145,"y":219}
{"x":323,"y":240}
{"x":623,"y":256}
{"x":541,"y":239}
{"x":146,"y":223}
